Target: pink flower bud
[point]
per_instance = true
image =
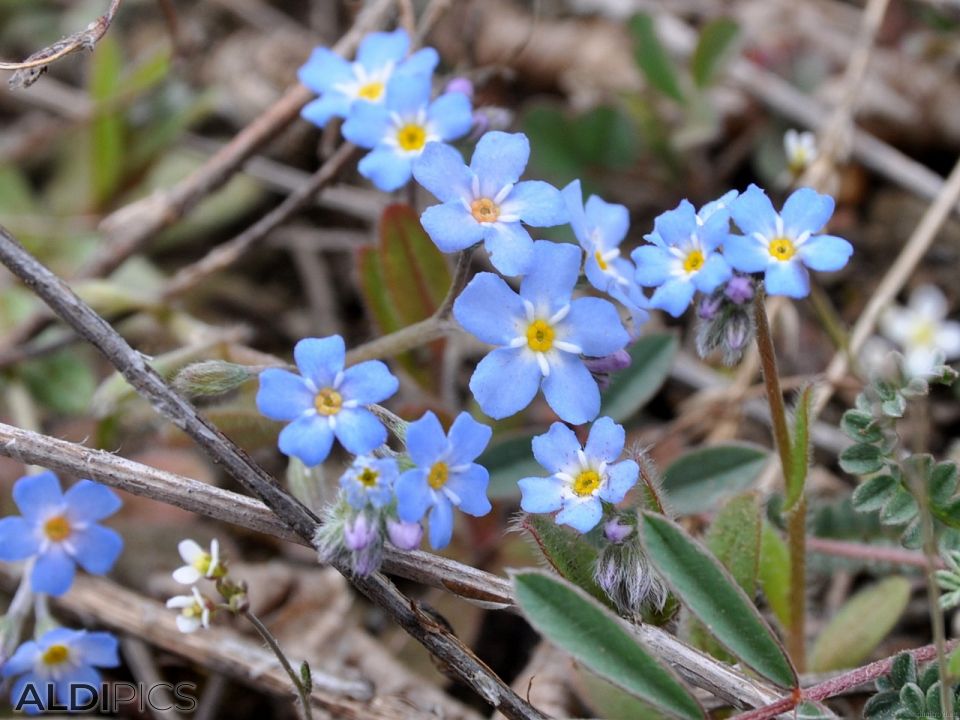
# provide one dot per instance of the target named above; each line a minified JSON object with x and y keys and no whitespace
{"x":406,"y":536}
{"x":359,"y":532}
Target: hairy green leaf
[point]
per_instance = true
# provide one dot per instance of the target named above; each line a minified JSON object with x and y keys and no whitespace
{"x":701,"y":479}
{"x":651,"y":357}
{"x":714,"y":46}
{"x":652,"y":57}
{"x":775,"y":573}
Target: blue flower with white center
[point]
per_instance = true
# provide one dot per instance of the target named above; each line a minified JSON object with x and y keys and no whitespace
{"x":782,"y":246}
{"x":542,"y":332}
{"x":59,"y":530}
{"x":399,"y":129}
{"x":445,"y":475}
{"x":486,"y":201}
{"x":583,"y":478}
{"x":58,"y":662}
{"x":683,"y":257}
{"x":341,"y":83}
{"x":326,"y":401}
{"x":370,"y":481}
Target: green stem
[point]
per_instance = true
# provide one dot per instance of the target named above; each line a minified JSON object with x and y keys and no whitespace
{"x":796,"y":519}
{"x":302,"y":692}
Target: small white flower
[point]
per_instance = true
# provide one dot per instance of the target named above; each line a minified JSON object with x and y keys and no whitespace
{"x":195,"y":610}
{"x":200,"y":563}
{"x":801,"y":150}
{"x":922,"y":330}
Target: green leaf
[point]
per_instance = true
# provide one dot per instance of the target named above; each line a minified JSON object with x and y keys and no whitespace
{"x":656,"y":64}
{"x":374,"y":291}
{"x":943,"y":483}
{"x":699,"y":480}
{"x":860,"y":625}
{"x":715,"y":43}
{"x":709,"y":592}
{"x":651,"y":357}
{"x":874,"y":493}
{"x":596,"y":638}
{"x":107,"y":128}
{"x":64,"y":381}
{"x":567,"y":552}
{"x":799,"y":450}
{"x":508,"y":461}
{"x":608,"y":701}
{"x":953,"y":664}
{"x":900,"y":509}
{"x":775,"y":573}
{"x":860,"y":427}
{"x":861,"y":459}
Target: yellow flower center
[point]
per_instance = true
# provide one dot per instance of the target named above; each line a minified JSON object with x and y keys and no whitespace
{"x":368,"y":477}
{"x":484,"y":210}
{"x":693,"y":261}
{"x":600,"y":261}
{"x":328,"y":402}
{"x":782,"y":248}
{"x":57,"y":528}
{"x":586,"y":483}
{"x":193,"y":611}
{"x":924,"y":334}
{"x":202,"y":563}
{"x":411,"y":137}
{"x":55,"y":655}
{"x":439,"y":474}
{"x":540,"y":336}
{"x":372,"y":91}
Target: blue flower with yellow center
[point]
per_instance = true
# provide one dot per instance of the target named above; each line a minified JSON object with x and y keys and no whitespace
{"x":60,"y":530}
{"x":326,"y":401}
{"x":541,"y":333}
{"x":398,"y":130}
{"x":583,"y":477}
{"x":369,"y":480}
{"x":445,"y":475}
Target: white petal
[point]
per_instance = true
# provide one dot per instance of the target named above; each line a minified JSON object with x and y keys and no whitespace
{"x":186,"y":575}
{"x":189,"y":550}
{"x":187,"y":624}
{"x":919,"y":361}
{"x":180,"y":601}
{"x":928,"y":302}
{"x":897,"y":324}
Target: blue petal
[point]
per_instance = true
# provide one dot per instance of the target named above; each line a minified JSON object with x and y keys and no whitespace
{"x":825,"y":252}
{"x":53,"y":572}
{"x":505,"y":382}
{"x":98,"y":648}
{"x":553,"y":275}
{"x":537,"y":203}
{"x":17,"y":539}
{"x":308,"y":438}
{"x":379,"y":48}
{"x":283,"y":395}
{"x":715,"y":230}
{"x":471,"y":487}
{"x":88,"y":501}
{"x":332,"y":104}
{"x":451,"y":115}
{"x":71,"y":690}
{"x":489,"y":309}
{"x":23,"y":659}
{"x":387,"y":169}
{"x":510,"y":247}
{"x":653,"y":265}
{"x":714,"y":272}
{"x":721,"y":203}
{"x":451,"y":226}
{"x":753,"y":213}
{"x":541,"y":495}
{"x":359,"y":430}
{"x":324,"y":69}
{"x":441,"y":523}
{"x":499,"y":160}
{"x":32,"y":702}
{"x":595,"y":326}
{"x":96,"y":548}
{"x":423,"y":61}
{"x":468,"y":438}
{"x":441,"y":170}
{"x":570,"y":390}
{"x":787,"y":278}
{"x":36,"y":494}
{"x":674,"y":296}
{"x":620,"y":478}
{"x":367,"y":124}
{"x":572,"y":196}
{"x":806,"y":210}
{"x":746,"y":254}
{"x":413,"y":495}
{"x":613,"y":221}
{"x":408,"y":94}
{"x":675,"y":226}
{"x":582,"y":516}
{"x":369,"y":382}
{"x":426,"y":440}
{"x":320,"y":359}
{"x":557,"y":450}
{"x":605,"y":442}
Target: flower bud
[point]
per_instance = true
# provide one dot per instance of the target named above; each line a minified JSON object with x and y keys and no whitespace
{"x":620,"y":360}
{"x":211,"y":378}
{"x":710,"y":306}
{"x":616,"y":531}
{"x":739,"y":289}
{"x":359,"y":533}
{"x":490,"y":118}
{"x":460,"y":85}
{"x":406,"y":536}
{"x":625,"y":575}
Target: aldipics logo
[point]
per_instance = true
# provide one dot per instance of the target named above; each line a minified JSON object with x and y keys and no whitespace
{"x":106,"y":698}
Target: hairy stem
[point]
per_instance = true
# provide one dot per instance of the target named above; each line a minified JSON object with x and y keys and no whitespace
{"x":302,"y":691}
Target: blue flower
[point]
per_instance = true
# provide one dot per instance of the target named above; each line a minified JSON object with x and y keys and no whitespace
{"x":485,"y":202}
{"x":783,"y":246}
{"x":445,"y":475}
{"x":399,"y":129}
{"x":58,"y":661}
{"x":341,"y":83}
{"x":583,"y":477}
{"x":326,"y":401}
{"x":60,"y":530}
{"x":542,"y":333}
{"x":683,"y":257}
{"x":369,"y":481}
